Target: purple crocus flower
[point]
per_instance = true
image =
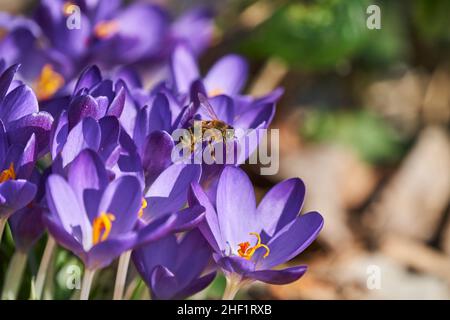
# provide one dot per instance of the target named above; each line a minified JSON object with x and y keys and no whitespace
{"x":91,"y":216}
{"x":99,"y":219}
{"x":249,"y":240}
{"x":16,"y":165}
{"x":26,"y":223}
{"x":63,"y":37}
{"x":19,"y":112}
{"x":172,"y":268}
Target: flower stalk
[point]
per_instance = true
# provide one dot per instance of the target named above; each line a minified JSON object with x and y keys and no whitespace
{"x":43,"y":267}
{"x":231,"y":289}
{"x":2,"y":227}
{"x":14,"y":275}
{"x":87,"y":283}
{"x":121,"y":276}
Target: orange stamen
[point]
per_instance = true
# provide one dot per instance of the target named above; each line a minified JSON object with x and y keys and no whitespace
{"x":48,"y":83}
{"x":106,"y":29}
{"x":246,"y":252}
{"x":101,"y":227}
{"x":8,"y":174}
{"x":143,"y":206}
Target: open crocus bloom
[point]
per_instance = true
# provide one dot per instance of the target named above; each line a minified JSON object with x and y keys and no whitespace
{"x":89,"y":215}
{"x":172,"y":268}
{"x":250,"y":240}
{"x":16,"y":163}
{"x":19,"y":112}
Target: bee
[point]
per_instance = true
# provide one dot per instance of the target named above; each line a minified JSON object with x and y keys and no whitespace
{"x":223,"y":132}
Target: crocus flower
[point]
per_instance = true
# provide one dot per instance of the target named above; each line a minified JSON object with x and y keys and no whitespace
{"x":91,"y":216}
{"x":172,"y":268}
{"x":99,"y":219}
{"x":26,"y":223}
{"x":249,"y":240}
{"x":63,"y":37}
{"x":16,"y":165}
{"x":19,"y":112}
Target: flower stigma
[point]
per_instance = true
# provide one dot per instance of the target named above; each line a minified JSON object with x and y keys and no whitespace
{"x":246,"y":252}
{"x":101,"y":227}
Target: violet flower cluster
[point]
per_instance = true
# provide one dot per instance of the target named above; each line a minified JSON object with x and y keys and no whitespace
{"x":87,"y":152}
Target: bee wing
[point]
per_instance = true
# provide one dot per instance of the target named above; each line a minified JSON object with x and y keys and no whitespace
{"x":207,"y":107}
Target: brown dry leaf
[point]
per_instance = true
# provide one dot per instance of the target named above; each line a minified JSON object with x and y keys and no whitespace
{"x":413,"y":202}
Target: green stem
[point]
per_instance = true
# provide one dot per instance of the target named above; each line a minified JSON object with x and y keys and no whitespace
{"x":14,"y":275}
{"x":121,"y":276}
{"x":2,"y":227}
{"x":232,"y":287}
{"x":43,"y":267}
{"x":87,"y":283}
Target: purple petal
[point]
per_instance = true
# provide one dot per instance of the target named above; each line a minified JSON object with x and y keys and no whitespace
{"x":27,"y":159}
{"x":87,"y":175}
{"x":5,"y":80}
{"x":236,"y":70}
{"x":102,"y":254}
{"x":61,"y":235}
{"x":163,"y":283}
{"x":58,"y":135}
{"x":188,"y":218}
{"x":90,"y":77}
{"x":281,"y":205}
{"x":156,"y":229}
{"x":27,"y":226}
{"x":293,"y":239}
{"x":196,"y":286}
{"x":234,"y":264}
{"x":84,"y":135}
{"x":39,"y":123}
{"x":110,"y":131}
{"x":184,"y":69}
{"x":193,"y":256}
{"x":66,"y":211}
{"x":160,"y":252}
{"x":236,"y":206}
{"x":3,"y":142}
{"x":223,"y":106}
{"x":82,"y":107}
{"x":123,"y":199}
{"x":169,"y":191}
{"x":118,"y":103}
{"x":157,"y":152}
{"x":283,"y":276}
{"x":255,"y":115}
{"x":210,"y":227}
{"x":18,"y":103}
{"x":195,"y":28}
{"x":15,"y":194}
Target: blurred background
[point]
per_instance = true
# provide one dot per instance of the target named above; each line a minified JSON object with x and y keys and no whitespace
{"x":364,"y":121}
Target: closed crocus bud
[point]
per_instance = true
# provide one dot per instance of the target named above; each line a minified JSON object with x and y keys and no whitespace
{"x":173,"y":268}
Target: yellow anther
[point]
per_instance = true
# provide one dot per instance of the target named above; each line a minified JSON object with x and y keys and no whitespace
{"x":215,"y":92}
{"x":106,"y":29}
{"x":246,"y":252}
{"x":101,"y":227}
{"x":67,"y":8}
{"x":48,"y":83}
{"x":143,"y":206}
{"x":8,"y":174}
